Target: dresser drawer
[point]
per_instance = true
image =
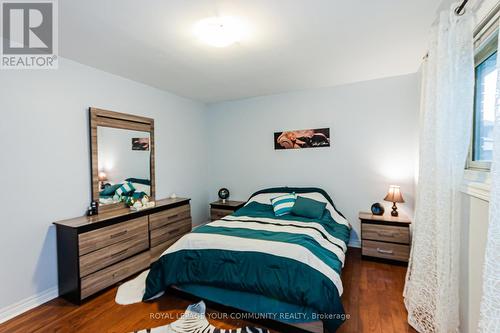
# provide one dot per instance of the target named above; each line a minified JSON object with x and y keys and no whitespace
{"x":217,"y":214}
{"x":385,"y":233}
{"x":158,"y":220}
{"x":172,"y":230}
{"x":385,"y":250}
{"x":113,"y":274}
{"x":94,"y":261}
{"x":97,"y":239}
{"x":156,"y":251}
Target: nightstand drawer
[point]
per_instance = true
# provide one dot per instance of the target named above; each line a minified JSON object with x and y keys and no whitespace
{"x":217,"y":214}
{"x":385,"y":250}
{"x":385,"y":233}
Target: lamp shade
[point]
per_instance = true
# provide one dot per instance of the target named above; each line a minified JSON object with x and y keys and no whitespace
{"x":102,"y":176}
{"x":394,"y":194}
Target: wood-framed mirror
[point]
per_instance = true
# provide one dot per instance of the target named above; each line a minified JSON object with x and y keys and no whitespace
{"x":122,"y":158}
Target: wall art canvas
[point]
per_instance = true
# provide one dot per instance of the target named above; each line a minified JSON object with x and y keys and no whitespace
{"x":140,"y":143}
{"x":299,"y":139}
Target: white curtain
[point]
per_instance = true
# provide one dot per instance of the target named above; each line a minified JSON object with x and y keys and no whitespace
{"x":490,"y":302}
{"x":432,"y":286}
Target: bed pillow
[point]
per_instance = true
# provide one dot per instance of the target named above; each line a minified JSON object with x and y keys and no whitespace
{"x":125,"y":189}
{"x":109,"y":190}
{"x":139,"y":181}
{"x":309,"y":208}
{"x":283,"y":204}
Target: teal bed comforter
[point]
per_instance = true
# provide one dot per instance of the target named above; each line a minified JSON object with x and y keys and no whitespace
{"x":291,"y":259}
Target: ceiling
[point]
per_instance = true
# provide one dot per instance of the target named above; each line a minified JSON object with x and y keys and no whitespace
{"x":295,"y":44}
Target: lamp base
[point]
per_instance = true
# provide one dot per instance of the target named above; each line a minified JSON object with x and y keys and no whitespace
{"x":394,"y":210}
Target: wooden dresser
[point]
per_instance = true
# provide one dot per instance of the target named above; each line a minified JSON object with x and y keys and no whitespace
{"x":385,"y":237}
{"x":98,"y":251}
{"x":219,"y":209}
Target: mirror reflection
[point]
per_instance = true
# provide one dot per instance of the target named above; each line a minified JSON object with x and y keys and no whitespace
{"x":124,"y":164}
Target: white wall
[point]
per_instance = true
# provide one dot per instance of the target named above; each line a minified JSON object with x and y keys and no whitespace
{"x":45,"y":167}
{"x":373,"y":128}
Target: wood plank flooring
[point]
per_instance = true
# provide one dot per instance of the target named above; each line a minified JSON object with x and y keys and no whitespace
{"x":372,"y":298}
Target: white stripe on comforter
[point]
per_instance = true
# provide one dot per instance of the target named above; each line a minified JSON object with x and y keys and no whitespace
{"x":315,"y":225}
{"x":200,"y":241}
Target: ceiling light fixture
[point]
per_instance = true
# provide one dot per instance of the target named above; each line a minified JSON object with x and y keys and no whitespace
{"x":221,"y":31}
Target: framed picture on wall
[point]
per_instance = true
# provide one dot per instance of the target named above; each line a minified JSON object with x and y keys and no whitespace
{"x":299,"y":139}
{"x":140,"y":143}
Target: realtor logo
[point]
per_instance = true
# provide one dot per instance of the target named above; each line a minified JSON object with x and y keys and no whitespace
{"x":29,"y":34}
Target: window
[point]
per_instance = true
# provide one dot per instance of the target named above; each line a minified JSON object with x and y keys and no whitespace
{"x":484,"y":99}
{"x":484,"y":113}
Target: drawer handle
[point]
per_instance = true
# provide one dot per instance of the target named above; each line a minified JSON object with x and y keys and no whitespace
{"x":117,"y":254}
{"x":387,"y":234}
{"x":124,"y":232}
{"x":379,"y":250}
{"x":173,"y":216}
{"x":174,"y":231}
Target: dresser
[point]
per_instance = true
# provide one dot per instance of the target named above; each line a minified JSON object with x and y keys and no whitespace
{"x":96,"y":252}
{"x":219,"y":209}
{"x":385,"y":237}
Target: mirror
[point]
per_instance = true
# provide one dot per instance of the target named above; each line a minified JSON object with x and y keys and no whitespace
{"x":122,"y":158}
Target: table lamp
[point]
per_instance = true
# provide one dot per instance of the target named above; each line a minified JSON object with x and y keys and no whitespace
{"x":102,"y":177}
{"x":394,"y":195}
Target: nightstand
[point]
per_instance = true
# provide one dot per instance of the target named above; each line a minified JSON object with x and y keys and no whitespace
{"x":218,"y":209}
{"x":385,"y":237}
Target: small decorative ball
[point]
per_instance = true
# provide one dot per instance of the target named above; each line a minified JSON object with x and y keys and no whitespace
{"x":223,"y":193}
{"x":377,"y":209}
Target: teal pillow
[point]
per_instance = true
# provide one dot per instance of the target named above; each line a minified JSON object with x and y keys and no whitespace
{"x":309,"y":208}
{"x":109,"y":190}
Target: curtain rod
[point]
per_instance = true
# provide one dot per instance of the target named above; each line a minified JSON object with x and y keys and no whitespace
{"x":460,"y":10}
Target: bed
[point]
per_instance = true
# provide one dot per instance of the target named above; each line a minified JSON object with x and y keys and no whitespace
{"x":135,"y":188}
{"x":284,"y":268}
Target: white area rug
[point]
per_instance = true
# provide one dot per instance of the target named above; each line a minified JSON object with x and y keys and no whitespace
{"x":194,"y":321}
{"x":191,"y":321}
{"x":132,"y":291}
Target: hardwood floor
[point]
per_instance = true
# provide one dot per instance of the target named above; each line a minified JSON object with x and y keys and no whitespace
{"x":372,"y":298}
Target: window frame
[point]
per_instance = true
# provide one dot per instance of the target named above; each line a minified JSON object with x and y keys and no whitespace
{"x":485,"y":44}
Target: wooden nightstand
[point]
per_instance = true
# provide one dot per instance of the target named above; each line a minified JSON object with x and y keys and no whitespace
{"x":385,"y":237}
{"x":218,"y":209}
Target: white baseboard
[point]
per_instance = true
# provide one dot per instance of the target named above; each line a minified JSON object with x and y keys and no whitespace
{"x":26,"y":304}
